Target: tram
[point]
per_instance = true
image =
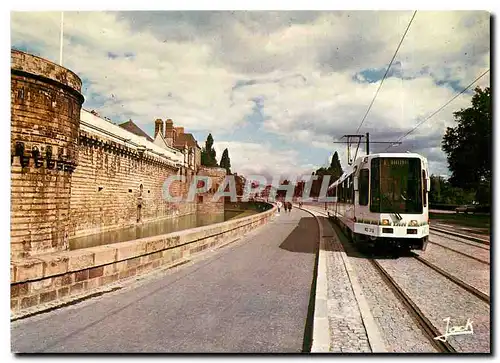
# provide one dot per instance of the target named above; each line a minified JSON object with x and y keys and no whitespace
{"x":382,"y":200}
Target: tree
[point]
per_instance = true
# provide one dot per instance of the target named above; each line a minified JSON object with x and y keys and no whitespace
{"x":240,"y":182}
{"x":334,"y":171}
{"x":208,"y":154}
{"x":435,"y":192}
{"x":443,"y":192}
{"x":468,"y":145}
{"x":225,"y":162}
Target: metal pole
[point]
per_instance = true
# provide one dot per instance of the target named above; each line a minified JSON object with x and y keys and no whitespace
{"x":61,"y":40}
{"x":367,"y":143}
{"x":348,"y":150}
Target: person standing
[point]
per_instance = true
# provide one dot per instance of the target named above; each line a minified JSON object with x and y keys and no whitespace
{"x":290,"y":207}
{"x":278,"y":205}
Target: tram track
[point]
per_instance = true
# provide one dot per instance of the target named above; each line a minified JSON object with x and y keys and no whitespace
{"x":419,"y":317}
{"x":460,"y":235}
{"x":454,"y":279}
{"x":429,"y":330}
{"x":470,"y":243}
{"x":459,"y":252}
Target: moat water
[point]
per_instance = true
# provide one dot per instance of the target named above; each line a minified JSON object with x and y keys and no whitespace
{"x":155,"y":228}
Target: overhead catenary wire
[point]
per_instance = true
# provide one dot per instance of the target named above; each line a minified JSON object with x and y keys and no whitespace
{"x":440,"y":108}
{"x":386,"y":72}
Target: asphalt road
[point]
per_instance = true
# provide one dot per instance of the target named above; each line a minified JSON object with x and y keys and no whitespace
{"x":250,"y":296}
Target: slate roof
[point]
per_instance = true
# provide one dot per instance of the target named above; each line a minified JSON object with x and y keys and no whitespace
{"x":183,"y":139}
{"x":130,"y":126}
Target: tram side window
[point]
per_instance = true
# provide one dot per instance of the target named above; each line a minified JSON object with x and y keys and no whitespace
{"x":345,"y":190}
{"x":424,"y":193}
{"x":375,"y":186}
{"x":351,"y":190}
{"x":363,"y":186}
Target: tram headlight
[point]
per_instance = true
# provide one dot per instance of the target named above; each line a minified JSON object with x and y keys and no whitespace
{"x":413,"y":223}
{"x":385,"y":222}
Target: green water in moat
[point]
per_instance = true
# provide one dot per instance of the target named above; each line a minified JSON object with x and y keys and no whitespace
{"x":155,"y":228}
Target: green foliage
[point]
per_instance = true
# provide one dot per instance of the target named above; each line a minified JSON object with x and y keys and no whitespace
{"x":208,"y":154}
{"x":334,"y":171}
{"x":468,"y":146}
{"x":225,"y":161}
{"x":443,"y":192}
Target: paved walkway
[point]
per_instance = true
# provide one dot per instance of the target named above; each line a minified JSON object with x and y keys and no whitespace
{"x":351,"y":325}
{"x":250,"y":296}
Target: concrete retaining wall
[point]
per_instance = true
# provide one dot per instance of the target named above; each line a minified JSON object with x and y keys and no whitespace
{"x":48,"y":277}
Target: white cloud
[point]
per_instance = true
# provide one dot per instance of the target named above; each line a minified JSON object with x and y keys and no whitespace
{"x":304,"y":66}
{"x":247,"y":158}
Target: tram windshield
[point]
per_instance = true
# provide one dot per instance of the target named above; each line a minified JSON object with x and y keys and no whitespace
{"x":396,"y":185}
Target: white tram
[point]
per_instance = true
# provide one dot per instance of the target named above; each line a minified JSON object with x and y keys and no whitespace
{"x":382,"y":199}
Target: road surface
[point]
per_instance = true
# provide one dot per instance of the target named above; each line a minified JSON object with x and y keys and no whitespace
{"x":250,"y":296}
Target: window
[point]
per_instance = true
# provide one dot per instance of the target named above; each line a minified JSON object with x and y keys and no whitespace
{"x":351,"y":190}
{"x":424,"y":187}
{"x":363,"y":184}
{"x":347,"y":190}
{"x":375,"y":188}
{"x":396,"y":186}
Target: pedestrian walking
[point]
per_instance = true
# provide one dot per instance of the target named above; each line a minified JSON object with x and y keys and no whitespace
{"x":290,"y":207}
{"x":279,"y":206}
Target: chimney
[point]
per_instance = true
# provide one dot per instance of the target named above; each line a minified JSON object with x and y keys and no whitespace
{"x":169,"y":132}
{"x":158,"y":127}
{"x":180,"y":130}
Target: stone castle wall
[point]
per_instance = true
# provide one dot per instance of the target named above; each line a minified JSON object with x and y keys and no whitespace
{"x":45,"y":117}
{"x":115,"y":187}
{"x":74,"y":174}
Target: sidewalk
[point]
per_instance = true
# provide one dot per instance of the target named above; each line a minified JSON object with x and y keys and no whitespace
{"x":351,"y":327}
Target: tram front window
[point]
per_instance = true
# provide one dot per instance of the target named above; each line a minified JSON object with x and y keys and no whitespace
{"x":396,"y":185}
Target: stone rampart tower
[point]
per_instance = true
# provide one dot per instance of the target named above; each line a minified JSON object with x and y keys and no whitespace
{"x":45,"y":116}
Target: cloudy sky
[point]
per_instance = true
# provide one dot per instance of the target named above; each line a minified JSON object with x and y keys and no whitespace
{"x":276,"y":88}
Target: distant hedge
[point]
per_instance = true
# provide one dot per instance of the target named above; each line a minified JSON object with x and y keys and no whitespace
{"x":479,"y":209}
{"x":443,"y":206}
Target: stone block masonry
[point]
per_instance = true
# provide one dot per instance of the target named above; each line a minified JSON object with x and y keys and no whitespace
{"x":74,"y":173}
{"x":115,"y":187}
{"x":206,"y":203}
{"x":45,"y":117}
{"x":50,"y":277}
